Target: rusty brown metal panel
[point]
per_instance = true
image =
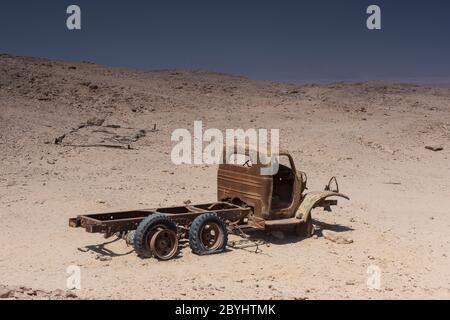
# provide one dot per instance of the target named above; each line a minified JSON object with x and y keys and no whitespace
{"x":247,"y":184}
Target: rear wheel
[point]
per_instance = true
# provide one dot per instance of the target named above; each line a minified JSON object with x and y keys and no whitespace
{"x":164,"y":244}
{"x":208,"y":234}
{"x":147,"y":229}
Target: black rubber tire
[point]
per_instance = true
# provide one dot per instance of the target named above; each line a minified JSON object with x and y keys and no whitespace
{"x":194,"y":234}
{"x":141,"y":241}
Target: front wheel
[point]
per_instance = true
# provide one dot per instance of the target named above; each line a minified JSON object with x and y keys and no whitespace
{"x":208,"y":234}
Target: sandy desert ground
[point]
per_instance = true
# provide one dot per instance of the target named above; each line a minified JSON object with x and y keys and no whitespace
{"x":371,"y":135}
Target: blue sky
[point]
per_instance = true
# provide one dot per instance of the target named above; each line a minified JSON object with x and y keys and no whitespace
{"x":296,"y":41}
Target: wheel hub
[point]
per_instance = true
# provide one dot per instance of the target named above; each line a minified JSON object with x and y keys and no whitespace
{"x":211,"y":236}
{"x":164,"y":244}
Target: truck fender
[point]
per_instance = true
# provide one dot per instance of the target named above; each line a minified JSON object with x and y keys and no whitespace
{"x":312,"y":199}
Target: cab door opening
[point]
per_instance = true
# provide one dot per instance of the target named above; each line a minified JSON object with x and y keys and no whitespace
{"x":283,"y":185}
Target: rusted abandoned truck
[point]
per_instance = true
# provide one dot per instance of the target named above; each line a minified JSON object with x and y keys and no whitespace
{"x":246,"y":199}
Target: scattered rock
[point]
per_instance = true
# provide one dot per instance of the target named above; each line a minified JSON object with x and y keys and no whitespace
{"x":434,"y":148}
{"x":113,"y":126}
{"x":6,"y":293}
{"x":395,"y":183}
{"x":140,"y":134}
{"x":60,"y":139}
{"x":97,"y":122}
{"x":100,"y":201}
{"x":104,"y":258}
{"x":59,"y":293}
{"x":336,"y":237}
{"x":71,"y":295}
{"x":29,"y":293}
{"x":350,"y":283}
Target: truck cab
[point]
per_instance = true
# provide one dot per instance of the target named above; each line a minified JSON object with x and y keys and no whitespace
{"x":280,"y":195}
{"x":271,"y":196}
